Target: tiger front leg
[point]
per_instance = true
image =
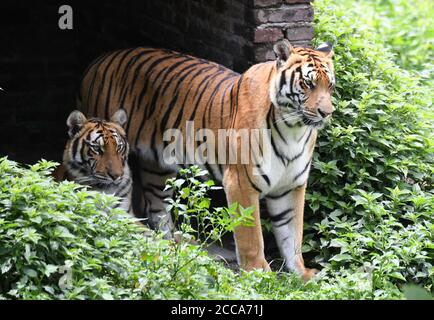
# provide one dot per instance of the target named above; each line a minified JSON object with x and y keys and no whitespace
{"x":154,"y":198}
{"x":248,"y":239}
{"x":286,"y":214}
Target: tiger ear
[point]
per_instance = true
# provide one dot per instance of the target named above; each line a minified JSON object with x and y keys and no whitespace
{"x":120,"y":117}
{"x":283,"y":49}
{"x":75,"y":122}
{"x":326,"y":48}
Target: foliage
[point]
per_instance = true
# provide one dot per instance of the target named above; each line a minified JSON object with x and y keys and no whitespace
{"x":61,"y":241}
{"x":406,"y":27}
{"x":191,"y":207}
{"x":371,"y":201}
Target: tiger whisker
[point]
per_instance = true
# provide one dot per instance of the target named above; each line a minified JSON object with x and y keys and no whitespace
{"x":288,"y":117}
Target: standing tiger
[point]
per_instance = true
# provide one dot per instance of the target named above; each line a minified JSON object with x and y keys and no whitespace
{"x":96,"y":155}
{"x":161,"y":89}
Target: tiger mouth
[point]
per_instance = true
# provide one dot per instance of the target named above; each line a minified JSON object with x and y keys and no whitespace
{"x":312,"y":122}
{"x":107,"y":181}
{"x":98,"y":181}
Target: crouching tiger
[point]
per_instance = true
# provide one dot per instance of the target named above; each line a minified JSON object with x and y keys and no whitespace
{"x":96,"y":155}
{"x":162,"y":89}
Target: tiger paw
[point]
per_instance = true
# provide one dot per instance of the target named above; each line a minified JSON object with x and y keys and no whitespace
{"x":257,"y":263}
{"x":308,"y":274}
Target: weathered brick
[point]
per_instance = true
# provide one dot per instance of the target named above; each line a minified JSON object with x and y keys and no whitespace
{"x":265,"y":53}
{"x":297,"y":1}
{"x":284,"y":14}
{"x":266,"y":3}
{"x":301,"y":33}
{"x":267,"y":35}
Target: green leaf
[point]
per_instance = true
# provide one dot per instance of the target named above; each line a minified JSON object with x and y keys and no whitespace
{"x":30,"y":272}
{"x":341,"y":257}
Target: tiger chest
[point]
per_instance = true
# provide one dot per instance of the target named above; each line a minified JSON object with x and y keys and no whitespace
{"x":290,"y":161}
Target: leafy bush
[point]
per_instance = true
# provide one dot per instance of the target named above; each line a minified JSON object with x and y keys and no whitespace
{"x":407,"y":29}
{"x":371,"y":188}
{"x":191,"y":209}
{"x":60,"y":241}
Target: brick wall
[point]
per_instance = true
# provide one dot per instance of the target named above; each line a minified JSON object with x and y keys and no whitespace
{"x":277,"y":19}
{"x":41,"y":65}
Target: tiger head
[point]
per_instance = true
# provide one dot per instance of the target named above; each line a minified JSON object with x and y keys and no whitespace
{"x":303,"y":84}
{"x":97,"y":151}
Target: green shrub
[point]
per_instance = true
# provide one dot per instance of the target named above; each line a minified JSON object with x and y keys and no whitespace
{"x":60,"y":241}
{"x":191,"y":209}
{"x":407,"y":29}
{"x":370,"y":196}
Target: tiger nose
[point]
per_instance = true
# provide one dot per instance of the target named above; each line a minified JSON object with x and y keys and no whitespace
{"x":114,"y":175}
{"x":325,"y":112}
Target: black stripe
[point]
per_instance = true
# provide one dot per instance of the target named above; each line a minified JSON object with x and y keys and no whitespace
{"x":126,"y":89}
{"x":153,"y":143}
{"x":280,"y":195}
{"x":240,"y":81}
{"x":303,"y":171}
{"x":304,"y":134}
{"x":124,"y":192}
{"x":231,"y":93}
{"x":212,"y":97}
{"x":181,"y":107}
{"x":175,"y":97}
{"x":291,"y":82}
{"x":159,"y":90}
{"x":115,"y":73}
{"x":147,"y":76}
{"x":276,"y":126}
{"x":281,"y":215}
{"x":154,"y":211}
{"x":251,"y":182}
{"x":156,"y":88}
{"x":282,"y":80}
{"x":276,"y":152}
{"x":204,"y":83}
{"x":154,"y":193}
{"x":265,"y":177}
{"x":272,"y":118}
{"x":95,"y":65}
{"x":75,"y":148}
{"x":103,"y":81}
{"x":178,"y":74}
{"x":169,"y":111}
{"x":283,"y":223}
{"x":222,"y":102}
{"x":304,"y":148}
